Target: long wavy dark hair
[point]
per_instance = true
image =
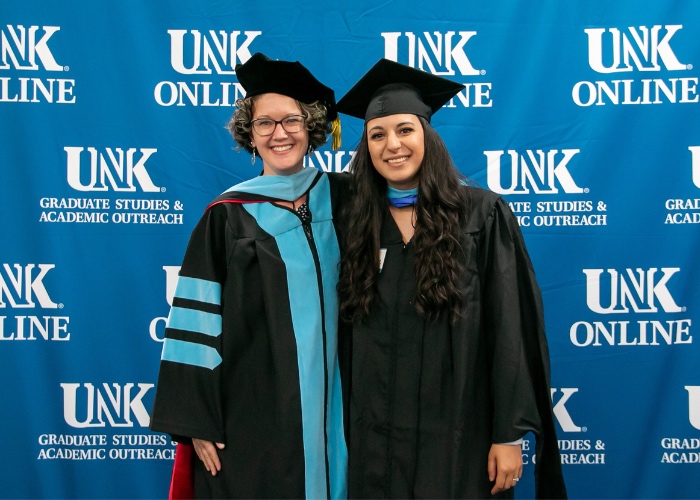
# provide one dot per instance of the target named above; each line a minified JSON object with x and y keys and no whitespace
{"x":440,"y":213}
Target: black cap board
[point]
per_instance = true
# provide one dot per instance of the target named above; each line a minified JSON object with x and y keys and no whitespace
{"x":390,"y":88}
{"x":261,"y":75}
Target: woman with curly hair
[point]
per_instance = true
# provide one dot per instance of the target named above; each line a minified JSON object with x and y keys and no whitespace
{"x":249,"y":370}
{"x":450,"y":366}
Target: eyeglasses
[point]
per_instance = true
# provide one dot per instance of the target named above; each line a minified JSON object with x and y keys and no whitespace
{"x":291,"y":124}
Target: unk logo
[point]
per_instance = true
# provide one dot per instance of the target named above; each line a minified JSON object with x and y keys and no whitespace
{"x":642,"y":48}
{"x":27,"y":48}
{"x":695,"y":152}
{"x":542,"y":172}
{"x":694,"y":405}
{"x":22,"y":287}
{"x":636,"y":289}
{"x":112,"y":168}
{"x":562,"y":413}
{"x":116,"y":405}
{"x":437,"y":53}
{"x":195,"y":53}
{"x":330,"y":161}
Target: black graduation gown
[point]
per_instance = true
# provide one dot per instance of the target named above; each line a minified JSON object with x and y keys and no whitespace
{"x":428,"y":399}
{"x":250,"y":355}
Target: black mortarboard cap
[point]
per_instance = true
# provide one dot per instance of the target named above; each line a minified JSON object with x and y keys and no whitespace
{"x":390,"y":88}
{"x":261,"y":75}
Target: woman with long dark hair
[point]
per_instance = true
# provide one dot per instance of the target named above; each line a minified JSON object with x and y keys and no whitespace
{"x":449,"y":366}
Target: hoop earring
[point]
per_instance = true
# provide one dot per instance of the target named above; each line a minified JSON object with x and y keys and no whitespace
{"x":252,"y":157}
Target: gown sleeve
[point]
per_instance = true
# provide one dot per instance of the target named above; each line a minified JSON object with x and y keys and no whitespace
{"x":520,"y":358}
{"x":188,"y":401}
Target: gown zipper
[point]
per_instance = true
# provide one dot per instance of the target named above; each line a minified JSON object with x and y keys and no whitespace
{"x":305,"y":217}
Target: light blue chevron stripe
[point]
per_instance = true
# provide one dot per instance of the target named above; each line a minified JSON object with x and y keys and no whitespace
{"x":198,"y":289}
{"x":189,"y":353}
{"x":194,"y":321}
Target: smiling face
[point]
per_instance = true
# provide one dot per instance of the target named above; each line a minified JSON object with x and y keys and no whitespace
{"x":396,"y":146}
{"x":282,"y":152}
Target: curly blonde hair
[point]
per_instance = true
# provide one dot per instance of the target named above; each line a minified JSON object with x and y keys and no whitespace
{"x":316,"y":122}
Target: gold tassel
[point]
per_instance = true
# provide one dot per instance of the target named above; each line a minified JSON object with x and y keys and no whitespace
{"x":335,"y":134}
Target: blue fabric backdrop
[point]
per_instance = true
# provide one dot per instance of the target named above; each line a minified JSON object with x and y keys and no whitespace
{"x":582,"y":114}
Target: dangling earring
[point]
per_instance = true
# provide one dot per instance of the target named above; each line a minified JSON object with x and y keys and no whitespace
{"x":252,"y":157}
{"x":311,"y":150}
